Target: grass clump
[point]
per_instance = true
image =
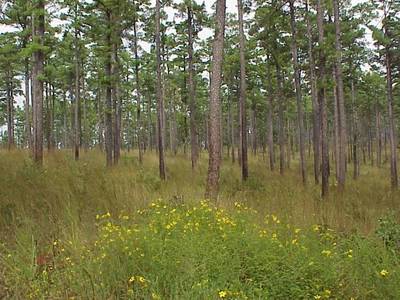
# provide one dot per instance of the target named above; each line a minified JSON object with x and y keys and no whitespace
{"x":201,"y":251}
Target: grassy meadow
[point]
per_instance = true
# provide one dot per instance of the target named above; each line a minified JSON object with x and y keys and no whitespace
{"x":76,"y":230}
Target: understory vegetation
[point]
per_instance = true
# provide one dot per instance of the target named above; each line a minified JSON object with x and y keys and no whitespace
{"x":79,"y":230}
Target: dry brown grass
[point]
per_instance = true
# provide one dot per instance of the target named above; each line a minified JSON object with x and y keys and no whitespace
{"x":66,"y":195}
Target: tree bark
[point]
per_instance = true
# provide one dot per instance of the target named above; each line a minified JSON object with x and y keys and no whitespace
{"x":281,"y":121}
{"x":270,"y":128}
{"x":116,"y":97}
{"x":37,"y":72}
{"x":300,"y":114}
{"x":315,"y":104}
{"x":340,"y":99}
{"x":10,"y":110}
{"x":212,"y":186}
{"x":191,"y":90}
{"x":392,"y":127}
{"x":138,"y":90}
{"x":242,"y":95}
{"x":77,"y":99}
{"x":322,"y":103}
{"x":108,"y":135}
{"x":28,"y":132}
{"x":160,"y":100}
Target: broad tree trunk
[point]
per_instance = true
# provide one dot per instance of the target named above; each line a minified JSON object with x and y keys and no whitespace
{"x":300,"y":114}
{"x":160,"y":100}
{"x":212,"y":186}
{"x":37,"y":71}
{"x":242,"y":94}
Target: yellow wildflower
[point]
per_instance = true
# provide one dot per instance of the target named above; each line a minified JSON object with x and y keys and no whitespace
{"x":326,"y":252}
{"x":222,"y":294}
{"x":384,"y":273}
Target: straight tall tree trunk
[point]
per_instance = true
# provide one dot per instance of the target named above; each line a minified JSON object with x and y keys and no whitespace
{"x":212,"y":186}
{"x":314,"y":97}
{"x":322,"y":102}
{"x":138,"y":90}
{"x":270,"y":128}
{"x":116,"y":98}
{"x":300,"y":114}
{"x":242,"y":94}
{"x":191,"y":89}
{"x":28,"y":132}
{"x":108,"y":134}
{"x":356,"y":162}
{"x":65,"y":117}
{"x":392,"y":127}
{"x":10,"y":111}
{"x":37,"y":72}
{"x":77,"y":99}
{"x":378,"y":122}
{"x":340,"y":99}
{"x":281,"y":121}
{"x":160,"y":100}
{"x":336,"y":126}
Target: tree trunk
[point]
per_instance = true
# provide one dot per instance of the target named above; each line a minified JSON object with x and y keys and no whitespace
{"x":392,"y":128}
{"x":242,"y":95}
{"x":77,"y":98}
{"x":138,"y":90}
{"x":321,"y":102}
{"x":108,"y":105}
{"x":340,"y":99}
{"x":336,"y":125}
{"x":65,"y":116}
{"x":191,"y":89}
{"x":315,"y":104}
{"x":160,"y":100}
{"x":378,"y":136}
{"x":281,"y":121}
{"x":37,"y":72}
{"x":300,"y":114}
{"x":212,"y":186}
{"x":356,"y":163}
{"x":116,"y":97}
{"x":28,"y":133}
{"x":270,"y":128}
{"x":10,"y":110}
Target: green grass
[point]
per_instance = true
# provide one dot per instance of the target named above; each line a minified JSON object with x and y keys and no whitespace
{"x":54,"y":246}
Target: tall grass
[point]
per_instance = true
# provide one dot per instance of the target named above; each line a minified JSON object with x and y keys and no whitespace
{"x":68,"y":191}
{"x":61,"y":200}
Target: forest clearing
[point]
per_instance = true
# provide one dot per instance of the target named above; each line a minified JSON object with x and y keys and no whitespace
{"x":199,"y":149}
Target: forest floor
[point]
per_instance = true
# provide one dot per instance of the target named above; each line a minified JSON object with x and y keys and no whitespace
{"x":79,"y":230}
